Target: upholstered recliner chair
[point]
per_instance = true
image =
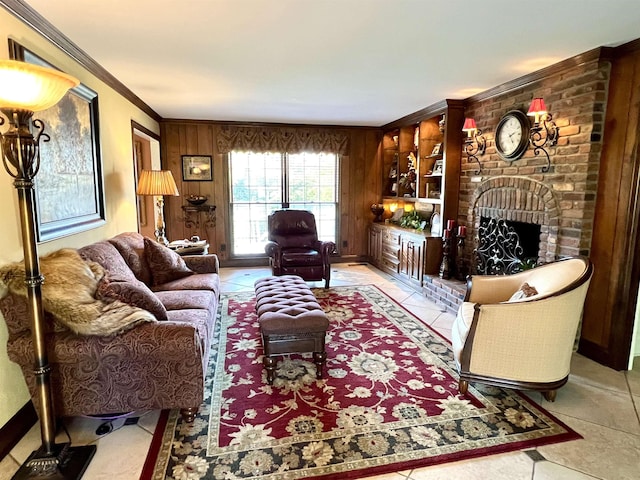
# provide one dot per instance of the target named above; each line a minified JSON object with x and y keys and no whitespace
{"x":294,"y":248}
{"x":518,"y":331}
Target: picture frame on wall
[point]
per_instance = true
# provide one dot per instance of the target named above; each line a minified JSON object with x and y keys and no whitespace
{"x":70,"y":163}
{"x":197,"y":168}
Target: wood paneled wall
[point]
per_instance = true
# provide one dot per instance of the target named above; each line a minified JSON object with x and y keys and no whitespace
{"x":610,"y":308}
{"x":359,"y":176}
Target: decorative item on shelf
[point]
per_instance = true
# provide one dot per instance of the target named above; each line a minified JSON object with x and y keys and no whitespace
{"x":408,"y":179}
{"x":25,"y":89}
{"x":447,"y":266}
{"x":378,"y":210}
{"x":393,"y":176}
{"x":544,"y":132}
{"x":192,"y":246}
{"x":461,"y":265}
{"x":416,"y":137}
{"x":413,"y":220}
{"x":158,"y":183}
{"x":438,"y":167}
{"x":437,"y":150}
{"x":397,"y":215}
{"x":442,"y":123}
{"x":436,"y":224}
{"x":196,"y":199}
{"x":475,"y":144}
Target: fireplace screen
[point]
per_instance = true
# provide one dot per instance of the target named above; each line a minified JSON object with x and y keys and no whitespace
{"x":506,"y":247}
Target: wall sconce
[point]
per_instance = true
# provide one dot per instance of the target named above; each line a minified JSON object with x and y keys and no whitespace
{"x":158,"y":183}
{"x":544,"y":132}
{"x":25,"y":89}
{"x":475,"y":144}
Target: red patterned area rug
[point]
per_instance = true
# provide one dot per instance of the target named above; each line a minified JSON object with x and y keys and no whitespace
{"x":388,"y":401}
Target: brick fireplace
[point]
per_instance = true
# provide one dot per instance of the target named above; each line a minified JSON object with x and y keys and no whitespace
{"x":561,"y":200}
{"x":519,"y":199}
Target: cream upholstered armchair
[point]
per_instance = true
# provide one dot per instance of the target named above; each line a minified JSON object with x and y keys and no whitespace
{"x":518,"y":331}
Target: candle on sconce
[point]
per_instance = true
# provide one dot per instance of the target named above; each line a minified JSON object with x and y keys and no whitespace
{"x":447,"y":234}
{"x":462,"y":231}
{"x":451,"y":224}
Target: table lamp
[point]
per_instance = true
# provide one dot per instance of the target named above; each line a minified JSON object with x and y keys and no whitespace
{"x":158,"y":183}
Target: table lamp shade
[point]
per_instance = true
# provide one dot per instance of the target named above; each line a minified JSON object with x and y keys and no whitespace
{"x":24,"y":86}
{"x":157,"y":182}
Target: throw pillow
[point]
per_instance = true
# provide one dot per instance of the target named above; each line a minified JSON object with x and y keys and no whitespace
{"x":131,"y":292}
{"x":165,"y":264}
{"x":525,"y":291}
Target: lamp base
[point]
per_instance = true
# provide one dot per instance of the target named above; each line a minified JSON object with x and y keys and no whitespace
{"x":65,"y":463}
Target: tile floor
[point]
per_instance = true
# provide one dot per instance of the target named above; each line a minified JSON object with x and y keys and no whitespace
{"x":601,"y":404}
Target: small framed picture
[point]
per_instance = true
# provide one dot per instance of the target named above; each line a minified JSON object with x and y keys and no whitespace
{"x":437,"y":149}
{"x":196,"y":168}
{"x":437,"y":167}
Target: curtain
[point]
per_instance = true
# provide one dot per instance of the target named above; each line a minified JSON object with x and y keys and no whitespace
{"x":282,"y":139}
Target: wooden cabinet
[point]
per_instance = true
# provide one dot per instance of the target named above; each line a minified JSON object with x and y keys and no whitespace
{"x":406,"y":254}
{"x":421,"y":157}
{"x":412,"y":249}
{"x":390,"y":260}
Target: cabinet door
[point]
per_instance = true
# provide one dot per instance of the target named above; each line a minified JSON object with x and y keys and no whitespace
{"x":375,"y":245}
{"x":412,"y":258}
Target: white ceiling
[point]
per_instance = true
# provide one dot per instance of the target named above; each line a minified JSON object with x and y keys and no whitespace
{"x":341,"y":62}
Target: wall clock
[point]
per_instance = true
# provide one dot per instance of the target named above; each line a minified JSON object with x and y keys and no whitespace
{"x":512,"y":135}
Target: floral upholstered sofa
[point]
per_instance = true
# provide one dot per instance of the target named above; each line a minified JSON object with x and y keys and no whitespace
{"x":148,"y":344}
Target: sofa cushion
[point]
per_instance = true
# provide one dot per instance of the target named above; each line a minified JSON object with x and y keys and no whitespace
{"x":181,"y":300}
{"x":131,"y":247}
{"x":109,"y":258}
{"x":165,"y":264}
{"x":132,"y":292}
{"x":197,"y":281}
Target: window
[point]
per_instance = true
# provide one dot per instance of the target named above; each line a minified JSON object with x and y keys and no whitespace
{"x":264,"y":182}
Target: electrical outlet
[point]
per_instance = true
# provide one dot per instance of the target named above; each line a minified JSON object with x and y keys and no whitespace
{"x":223,"y":247}
{"x":345,"y":244}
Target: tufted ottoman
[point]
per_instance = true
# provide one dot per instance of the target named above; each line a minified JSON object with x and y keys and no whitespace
{"x":291,"y":321}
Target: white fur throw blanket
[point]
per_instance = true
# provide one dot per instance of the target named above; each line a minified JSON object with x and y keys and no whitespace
{"x":68,"y":293}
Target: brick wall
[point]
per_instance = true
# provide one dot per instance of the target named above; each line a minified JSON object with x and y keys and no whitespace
{"x":576,"y":97}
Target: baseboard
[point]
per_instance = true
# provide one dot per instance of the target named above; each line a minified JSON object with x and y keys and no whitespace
{"x":16,"y":428}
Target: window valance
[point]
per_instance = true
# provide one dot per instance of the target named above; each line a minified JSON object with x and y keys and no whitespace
{"x":282,"y":139}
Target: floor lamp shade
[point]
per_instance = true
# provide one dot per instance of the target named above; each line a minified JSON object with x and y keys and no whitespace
{"x":25,"y":89}
{"x":158,"y":183}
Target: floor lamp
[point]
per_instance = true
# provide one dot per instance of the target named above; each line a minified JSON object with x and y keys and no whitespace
{"x":158,"y":183}
{"x":25,"y":89}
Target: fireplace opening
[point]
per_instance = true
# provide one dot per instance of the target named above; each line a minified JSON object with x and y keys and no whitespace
{"x":529,"y":236}
{"x":506,"y":246}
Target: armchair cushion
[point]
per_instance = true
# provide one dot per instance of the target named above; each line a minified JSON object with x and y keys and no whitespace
{"x":525,"y":291}
{"x":165,"y":264}
{"x":300,"y":257}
